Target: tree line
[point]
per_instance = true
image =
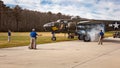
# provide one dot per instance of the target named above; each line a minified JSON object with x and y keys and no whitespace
{"x":22,"y":20}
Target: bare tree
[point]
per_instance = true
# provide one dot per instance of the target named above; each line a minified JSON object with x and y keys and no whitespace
{"x":18,"y":19}
{"x":17,"y":11}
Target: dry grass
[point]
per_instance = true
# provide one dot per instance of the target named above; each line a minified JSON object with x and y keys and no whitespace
{"x":23,"y":39}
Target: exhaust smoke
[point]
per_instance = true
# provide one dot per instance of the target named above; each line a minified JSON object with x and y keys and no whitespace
{"x":94,"y":31}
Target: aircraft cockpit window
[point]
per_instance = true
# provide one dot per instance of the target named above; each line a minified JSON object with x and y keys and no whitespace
{"x":58,"y":20}
{"x":48,"y":24}
{"x":65,"y":22}
{"x":52,"y":23}
{"x":57,"y":24}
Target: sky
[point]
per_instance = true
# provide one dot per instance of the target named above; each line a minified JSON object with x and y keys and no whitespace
{"x":91,"y":9}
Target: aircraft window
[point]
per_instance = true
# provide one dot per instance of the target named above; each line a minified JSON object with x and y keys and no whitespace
{"x":81,"y":26}
{"x":57,"y":24}
{"x":91,"y":26}
{"x":65,"y":21}
{"x":58,"y":20}
{"x":49,"y":24}
{"x":52,"y":23}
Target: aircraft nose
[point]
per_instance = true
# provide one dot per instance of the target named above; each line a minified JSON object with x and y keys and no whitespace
{"x":48,"y":26}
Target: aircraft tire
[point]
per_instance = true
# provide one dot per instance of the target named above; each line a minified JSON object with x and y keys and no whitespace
{"x":86,"y":38}
{"x":80,"y":37}
{"x":71,"y":37}
{"x":53,"y":38}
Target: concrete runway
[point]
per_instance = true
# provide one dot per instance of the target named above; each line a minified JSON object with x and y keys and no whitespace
{"x":68,"y":54}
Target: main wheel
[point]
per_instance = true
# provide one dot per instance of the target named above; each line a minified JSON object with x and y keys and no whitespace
{"x":86,"y":38}
{"x":53,"y":38}
{"x":80,"y":37}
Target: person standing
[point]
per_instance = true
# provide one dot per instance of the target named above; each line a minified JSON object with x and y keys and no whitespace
{"x":33,"y":36}
{"x":101,"y":34}
{"x":9,"y":35}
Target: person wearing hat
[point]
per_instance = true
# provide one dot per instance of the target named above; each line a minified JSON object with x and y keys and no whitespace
{"x":33,"y":36}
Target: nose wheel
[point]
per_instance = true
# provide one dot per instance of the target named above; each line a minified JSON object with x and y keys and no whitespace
{"x":53,"y":38}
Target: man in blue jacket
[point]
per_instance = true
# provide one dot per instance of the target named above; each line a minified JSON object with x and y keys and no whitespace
{"x":101,"y":37}
{"x":33,"y":36}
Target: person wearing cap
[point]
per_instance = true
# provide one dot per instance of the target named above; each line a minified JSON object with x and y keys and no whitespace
{"x":33,"y":36}
{"x":101,"y":37}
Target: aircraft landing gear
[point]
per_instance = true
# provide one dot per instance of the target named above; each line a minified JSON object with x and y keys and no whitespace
{"x":70,"y":36}
{"x":53,"y":36}
{"x":80,"y":37}
{"x":86,"y":38}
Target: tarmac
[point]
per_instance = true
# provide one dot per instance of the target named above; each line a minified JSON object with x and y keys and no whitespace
{"x":67,"y":54}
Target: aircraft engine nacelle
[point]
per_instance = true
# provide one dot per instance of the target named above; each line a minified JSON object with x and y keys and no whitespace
{"x":71,"y":26}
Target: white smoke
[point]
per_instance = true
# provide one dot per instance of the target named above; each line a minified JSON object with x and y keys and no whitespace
{"x":94,"y":32}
